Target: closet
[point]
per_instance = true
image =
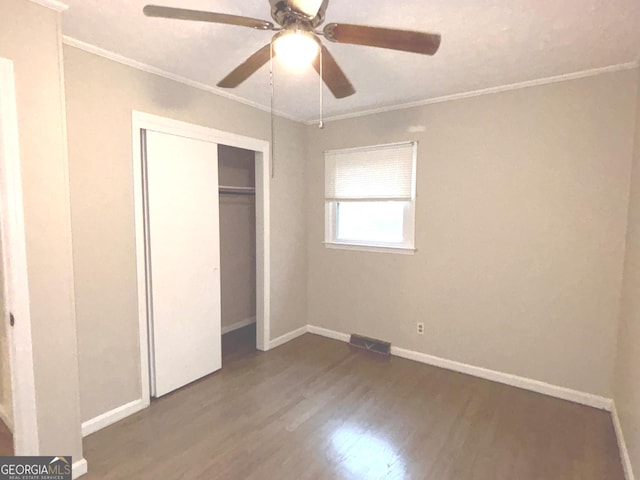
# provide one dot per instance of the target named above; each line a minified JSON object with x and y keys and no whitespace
{"x":237,"y":203}
{"x":200,"y":255}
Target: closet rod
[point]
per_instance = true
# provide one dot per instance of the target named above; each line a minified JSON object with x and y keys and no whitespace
{"x":236,"y":190}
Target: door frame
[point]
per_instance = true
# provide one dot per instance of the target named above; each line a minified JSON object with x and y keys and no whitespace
{"x":14,"y":266}
{"x":145,"y":121}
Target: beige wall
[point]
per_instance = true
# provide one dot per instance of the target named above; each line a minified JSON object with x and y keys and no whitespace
{"x":236,"y":167}
{"x":521,"y":214}
{"x":30,"y":36}
{"x":627,"y":385}
{"x":100,"y":97}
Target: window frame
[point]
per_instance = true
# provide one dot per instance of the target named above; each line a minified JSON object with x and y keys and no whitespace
{"x":407,"y":245}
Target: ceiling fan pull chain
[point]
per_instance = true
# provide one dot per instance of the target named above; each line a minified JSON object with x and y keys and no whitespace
{"x":271,"y":109}
{"x":321,"y":124}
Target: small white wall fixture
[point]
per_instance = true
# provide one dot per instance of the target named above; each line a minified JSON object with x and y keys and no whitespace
{"x":144,"y":121}
{"x":14,"y":269}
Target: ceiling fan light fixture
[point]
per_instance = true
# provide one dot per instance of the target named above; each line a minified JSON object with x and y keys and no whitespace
{"x":296,"y":49}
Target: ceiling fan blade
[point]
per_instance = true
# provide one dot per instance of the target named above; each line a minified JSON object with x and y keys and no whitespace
{"x":333,"y":76}
{"x":200,"y":16}
{"x":246,"y":69}
{"x":404,"y":40}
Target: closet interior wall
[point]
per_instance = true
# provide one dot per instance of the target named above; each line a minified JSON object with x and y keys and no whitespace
{"x":236,"y":168}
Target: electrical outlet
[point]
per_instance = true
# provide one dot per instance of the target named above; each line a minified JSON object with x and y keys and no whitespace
{"x":420,"y":328}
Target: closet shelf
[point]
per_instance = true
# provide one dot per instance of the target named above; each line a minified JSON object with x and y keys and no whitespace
{"x":228,"y":189}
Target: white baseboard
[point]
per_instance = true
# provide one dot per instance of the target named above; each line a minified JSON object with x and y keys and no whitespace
{"x":537,"y":386}
{"x":238,"y":325}
{"x":6,"y":418}
{"x":564,"y":393}
{"x":287,"y":337}
{"x":622,"y":445}
{"x":112,"y":416}
{"x":325,"y":332}
{"x":78,"y":468}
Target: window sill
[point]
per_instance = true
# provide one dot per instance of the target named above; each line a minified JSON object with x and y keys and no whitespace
{"x":370,"y":248}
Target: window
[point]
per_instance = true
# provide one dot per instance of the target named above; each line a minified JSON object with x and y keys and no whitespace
{"x":370,"y":197}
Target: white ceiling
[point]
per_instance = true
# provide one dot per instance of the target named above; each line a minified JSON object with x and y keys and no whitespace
{"x":485,"y":44}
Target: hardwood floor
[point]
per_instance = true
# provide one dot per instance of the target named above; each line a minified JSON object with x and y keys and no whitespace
{"x":315,"y":409}
{"x":6,"y":441}
{"x":238,"y":344}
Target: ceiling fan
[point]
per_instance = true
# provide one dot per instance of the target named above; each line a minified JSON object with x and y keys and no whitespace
{"x":297,"y":39}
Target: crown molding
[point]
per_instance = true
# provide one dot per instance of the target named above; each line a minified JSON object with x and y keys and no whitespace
{"x":87,"y":47}
{"x":485,"y":91}
{"x":116,"y":57}
{"x":52,"y":4}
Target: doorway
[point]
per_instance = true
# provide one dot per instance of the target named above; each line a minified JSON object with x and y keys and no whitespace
{"x":143,"y":123}
{"x":17,"y":400}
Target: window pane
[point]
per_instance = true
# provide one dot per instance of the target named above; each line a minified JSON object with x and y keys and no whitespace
{"x":371,"y":221}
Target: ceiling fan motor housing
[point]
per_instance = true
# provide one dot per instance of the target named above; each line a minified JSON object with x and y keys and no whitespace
{"x":283,"y":13}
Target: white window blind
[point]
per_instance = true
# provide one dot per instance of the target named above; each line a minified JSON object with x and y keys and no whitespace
{"x":370,"y":173}
{"x":370,"y":198}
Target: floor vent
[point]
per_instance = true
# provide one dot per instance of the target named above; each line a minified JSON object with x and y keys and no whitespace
{"x":370,"y":344}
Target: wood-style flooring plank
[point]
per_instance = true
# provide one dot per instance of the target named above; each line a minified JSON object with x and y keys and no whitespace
{"x":316,"y":409}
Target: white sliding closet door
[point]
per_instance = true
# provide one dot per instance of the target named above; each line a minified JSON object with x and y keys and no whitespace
{"x":184,"y":257}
